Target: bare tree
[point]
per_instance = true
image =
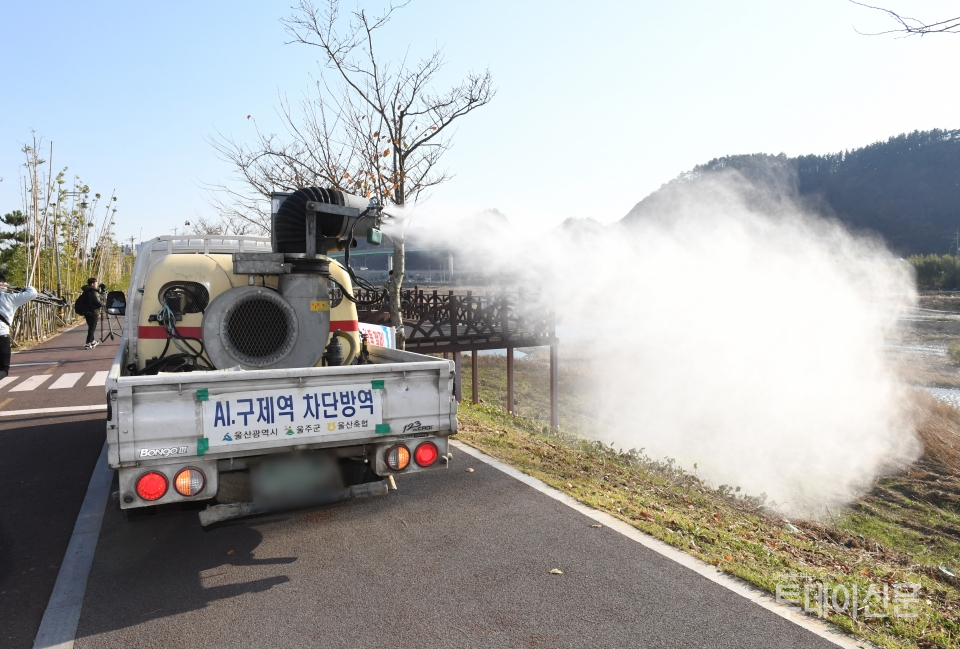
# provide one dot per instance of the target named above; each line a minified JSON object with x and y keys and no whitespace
{"x":216,"y":227}
{"x":913,"y":27}
{"x":375,"y":128}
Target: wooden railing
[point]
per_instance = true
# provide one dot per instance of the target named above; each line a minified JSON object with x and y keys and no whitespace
{"x":466,"y":321}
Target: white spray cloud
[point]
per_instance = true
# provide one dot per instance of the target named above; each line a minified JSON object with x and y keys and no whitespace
{"x":731,"y":329}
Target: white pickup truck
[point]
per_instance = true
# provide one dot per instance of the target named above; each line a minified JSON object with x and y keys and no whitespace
{"x":242,"y":376}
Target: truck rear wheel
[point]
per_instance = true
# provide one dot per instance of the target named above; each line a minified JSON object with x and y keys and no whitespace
{"x":234,"y":488}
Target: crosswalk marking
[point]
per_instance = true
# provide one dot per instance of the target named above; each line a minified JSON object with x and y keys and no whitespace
{"x":66,"y":380}
{"x":30,"y":383}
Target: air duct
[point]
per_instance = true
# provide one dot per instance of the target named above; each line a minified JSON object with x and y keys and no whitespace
{"x":289,"y":222}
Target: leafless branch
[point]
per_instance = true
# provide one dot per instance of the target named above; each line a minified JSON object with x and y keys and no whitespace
{"x":911,"y":26}
{"x":373,"y":127}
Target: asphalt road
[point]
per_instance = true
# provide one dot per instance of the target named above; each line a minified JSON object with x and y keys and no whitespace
{"x":451,"y":559}
{"x":45,"y":465}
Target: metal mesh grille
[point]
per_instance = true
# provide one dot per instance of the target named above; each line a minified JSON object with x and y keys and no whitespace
{"x":258,"y":329}
{"x":185,"y":297}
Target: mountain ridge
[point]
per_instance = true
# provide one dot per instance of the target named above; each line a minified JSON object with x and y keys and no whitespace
{"x":906,"y":189}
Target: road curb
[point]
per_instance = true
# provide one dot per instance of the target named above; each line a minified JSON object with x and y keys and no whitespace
{"x":731,"y":583}
{"x":37,"y":343}
{"x":58,"y":629}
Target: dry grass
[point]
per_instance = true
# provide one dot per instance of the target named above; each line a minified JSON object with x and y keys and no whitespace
{"x":941,"y":301}
{"x":938,"y":427}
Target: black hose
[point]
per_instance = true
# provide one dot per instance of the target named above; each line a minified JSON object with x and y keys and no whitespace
{"x":358,"y":281}
{"x":353,"y":299}
{"x":152,"y":367}
{"x":195,"y":357}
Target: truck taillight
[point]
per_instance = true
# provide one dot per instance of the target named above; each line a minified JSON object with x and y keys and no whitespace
{"x":151,"y":485}
{"x":189,"y":482}
{"x":398,"y":457}
{"x":426,"y":454}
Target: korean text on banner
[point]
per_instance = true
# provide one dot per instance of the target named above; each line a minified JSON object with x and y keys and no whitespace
{"x":378,"y":335}
{"x":249,"y":417}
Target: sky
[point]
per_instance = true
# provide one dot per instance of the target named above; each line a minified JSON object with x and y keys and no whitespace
{"x":598,"y":103}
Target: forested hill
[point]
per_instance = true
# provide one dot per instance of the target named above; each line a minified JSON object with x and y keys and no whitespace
{"x":906,"y":189}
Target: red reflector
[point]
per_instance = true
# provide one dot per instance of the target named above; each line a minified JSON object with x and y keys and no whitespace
{"x":152,"y":486}
{"x":426,"y":454}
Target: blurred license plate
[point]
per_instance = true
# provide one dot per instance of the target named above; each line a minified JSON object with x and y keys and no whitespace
{"x":292,"y":476}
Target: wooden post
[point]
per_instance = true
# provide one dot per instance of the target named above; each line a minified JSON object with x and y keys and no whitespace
{"x":453,"y":304}
{"x":458,"y":364}
{"x":510,"y":380}
{"x":554,"y":370}
{"x":504,"y":319}
{"x":520,"y":304}
{"x":475,"y":375}
{"x":554,"y":386}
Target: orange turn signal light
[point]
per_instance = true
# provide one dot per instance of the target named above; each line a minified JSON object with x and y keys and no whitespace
{"x":189,"y":482}
{"x":397,"y":457}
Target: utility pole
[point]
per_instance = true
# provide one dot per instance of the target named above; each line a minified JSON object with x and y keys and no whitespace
{"x":56,"y":246}
{"x":26,"y":237}
{"x":133,"y":254}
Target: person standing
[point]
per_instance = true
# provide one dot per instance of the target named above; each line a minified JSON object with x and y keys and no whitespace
{"x":90,"y":300}
{"x":9,"y":303}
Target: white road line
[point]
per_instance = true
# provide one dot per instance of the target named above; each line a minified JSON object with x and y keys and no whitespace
{"x":51,"y":411}
{"x":66,"y":380}
{"x":742,"y":588}
{"x":30,"y":383}
{"x":59,"y":625}
{"x":44,"y":363}
{"x":100,"y":378}
{"x":7,"y":380}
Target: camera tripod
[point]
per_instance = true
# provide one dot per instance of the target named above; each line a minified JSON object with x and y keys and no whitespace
{"x":104,"y":315}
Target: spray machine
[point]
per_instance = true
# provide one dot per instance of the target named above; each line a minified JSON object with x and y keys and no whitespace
{"x":291,"y":307}
{"x":316,"y":415}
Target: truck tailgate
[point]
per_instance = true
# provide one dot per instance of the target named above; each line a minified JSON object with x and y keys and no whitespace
{"x":230,"y":414}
